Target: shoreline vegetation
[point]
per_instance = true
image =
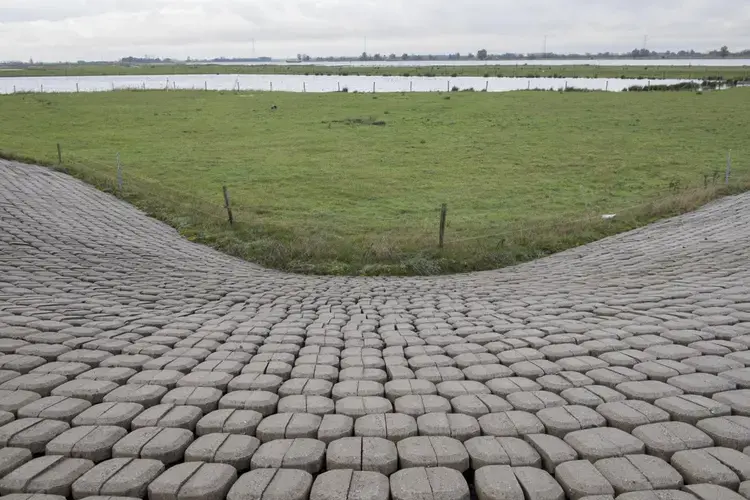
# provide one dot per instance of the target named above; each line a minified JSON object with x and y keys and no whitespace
{"x":353,"y":184}
{"x":525,"y":69}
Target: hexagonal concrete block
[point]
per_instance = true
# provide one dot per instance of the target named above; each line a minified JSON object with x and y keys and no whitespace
{"x":168,"y":415}
{"x":551,"y":449}
{"x":579,"y":479}
{"x":54,"y":408}
{"x":629,"y":414}
{"x":722,"y":466}
{"x":731,"y":432}
{"x":561,"y":420}
{"x":119,"y":414}
{"x":31,"y":433}
{"x":639,"y":472}
{"x":691,"y":408}
{"x":604,"y":442}
{"x":229,"y":421}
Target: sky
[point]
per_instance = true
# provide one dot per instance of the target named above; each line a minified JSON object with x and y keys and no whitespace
{"x":70,"y":30}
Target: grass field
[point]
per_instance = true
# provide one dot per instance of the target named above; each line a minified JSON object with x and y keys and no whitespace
{"x":353,"y":183}
{"x":521,"y":70}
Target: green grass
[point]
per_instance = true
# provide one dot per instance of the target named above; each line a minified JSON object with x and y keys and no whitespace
{"x":520,"y":70}
{"x":353,"y":183}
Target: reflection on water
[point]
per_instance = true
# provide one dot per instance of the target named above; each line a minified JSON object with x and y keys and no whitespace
{"x":303,"y":83}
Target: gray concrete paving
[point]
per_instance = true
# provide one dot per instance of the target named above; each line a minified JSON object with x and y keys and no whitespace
{"x":137,"y":364}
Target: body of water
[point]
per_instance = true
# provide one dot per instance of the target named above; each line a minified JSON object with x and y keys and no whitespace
{"x":303,"y":83}
{"x":528,"y":62}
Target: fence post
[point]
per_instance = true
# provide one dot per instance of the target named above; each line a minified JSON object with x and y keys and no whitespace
{"x":227,"y":205}
{"x":76,"y":86}
{"x":729,"y":167}
{"x":205,"y":85}
{"x":59,"y":154}
{"x":606,"y":86}
{"x":271,"y":85}
{"x":486,"y":85}
{"x":443,"y":214}
{"x":411,"y":86}
{"x":449,"y":85}
{"x":338,"y":84}
{"x":304,"y":87}
{"x":373,"y":87}
{"x":119,"y":174}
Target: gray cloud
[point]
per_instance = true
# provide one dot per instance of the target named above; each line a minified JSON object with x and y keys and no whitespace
{"x":90,"y":29}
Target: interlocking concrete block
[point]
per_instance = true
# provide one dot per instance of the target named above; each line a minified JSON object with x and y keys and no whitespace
{"x":552,"y":450}
{"x":613,"y":376}
{"x":665,"y":438}
{"x":231,"y":449}
{"x":333,"y":427}
{"x":40,"y":383}
{"x":164,"y":378}
{"x":479,"y":404}
{"x":579,"y":479}
{"x":31,"y":433}
{"x":639,"y":472}
{"x":350,"y":485}
{"x":657,"y":495}
{"x":702,"y":384}
{"x":229,"y":421}
{"x":648,"y":390}
{"x":391,"y":426}
{"x":118,"y":375}
{"x":255,"y":382}
{"x":488,"y":450}
{"x":54,"y":408}
{"x":12,"y":458}
{"x":363,"y":453}
{"x":50,"y":474}
{"x":604,"y":442}
{"x":712,"y":492}
{"x":559,"y":421}
{"x":429,"y":483}
{"x":433,"y":451}
{"x":168,"y":415}
{"x":722,"y":466}
{"x":304,"y":454}
{"x":89,"y":442}
{"x":738,"y":401}
{"x":510,"y":424}
{"x":497,"y":482}
{"x":121,"y":477}
{"x":534,"y":401}
{"x":455,"y":425}
{"x":143,"y":394}
{"x":316,"y":405}
{"x":165,"y":444}
{"x":12,"y":401}
{"x":690,"y":408}
{"x":119,"y":414}
{"x":92,"y":391}
{"x":289,"y":426}
{"x":272,"y":484}
{"x":359,"y":406}
{"x":193,"y":481}
{"x":629,"y":414}
{"x":591,"y":396}
{"x":731,"y":432}
{"x":305,"y":386}
{"x":205,"y":398}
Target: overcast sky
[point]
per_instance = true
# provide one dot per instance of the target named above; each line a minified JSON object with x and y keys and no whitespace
{"x":68,"y":30}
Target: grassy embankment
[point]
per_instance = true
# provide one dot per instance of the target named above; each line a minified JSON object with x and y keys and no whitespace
{"x":352,"y":183}
{"x":486,"y":71}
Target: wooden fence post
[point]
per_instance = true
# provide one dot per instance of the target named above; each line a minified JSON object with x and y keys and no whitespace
{"x":443,"y":214}
{"x":227,"y":205}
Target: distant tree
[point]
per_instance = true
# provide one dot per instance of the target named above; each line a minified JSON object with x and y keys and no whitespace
{"x":364,"y":57}
{"x":724,"y":51}
{"x":392,"y":57}
{"x":482,"y":55}
{"x":299,"y":57}
{"x":306,"y":58}
{"x":404,"y":56}
{"x":377,"y":57}
{"x":470,"y":56}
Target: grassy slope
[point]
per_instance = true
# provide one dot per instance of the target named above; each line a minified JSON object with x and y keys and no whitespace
{"x":521,"y":70}
{"x":315,"y":191}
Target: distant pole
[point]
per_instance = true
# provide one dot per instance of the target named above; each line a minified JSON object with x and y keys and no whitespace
{"x":119,"y":173}
{"x":443,"y":214}
{"x":528,"y":87}
{"x":606,"y":86}
{"x":373,"y":87}
{"x":338,"y":85}
{"x":113,"y":85}
{"x":42,"y":87}
{"x":729,"y":167}
{"x":449,"y":85}
{"x":411,"y":86}
{"x":59,"y":154}
{"x":304,"y":87}
{"x":174,"y":85}
{"x":486,"y":85}
{"x":227,"y":205}
{"x":14,"y":89}
{"x":271,"y":86}
{"x":205,"y":85}
{"x":76,"y":86}
{"x":144,"y":85}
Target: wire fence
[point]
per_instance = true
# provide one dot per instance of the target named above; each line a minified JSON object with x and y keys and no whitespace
{"x":451,"y":224}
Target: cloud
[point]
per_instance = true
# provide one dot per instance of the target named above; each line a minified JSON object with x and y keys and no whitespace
{"x":109,"y":29}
